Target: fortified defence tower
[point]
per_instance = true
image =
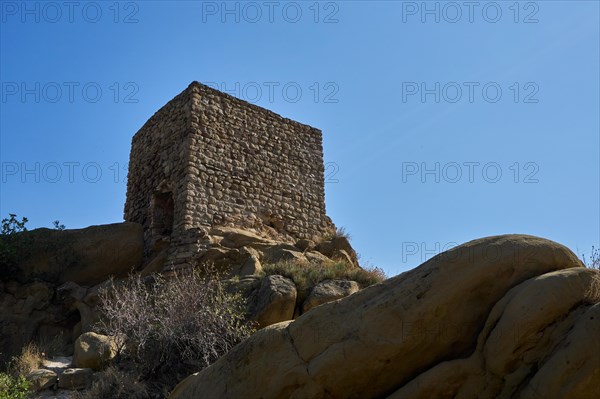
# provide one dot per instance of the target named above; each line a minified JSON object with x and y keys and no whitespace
{"x":208,"y":159}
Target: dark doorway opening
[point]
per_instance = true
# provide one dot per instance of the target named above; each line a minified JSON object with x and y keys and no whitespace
{"x":163,"y":210}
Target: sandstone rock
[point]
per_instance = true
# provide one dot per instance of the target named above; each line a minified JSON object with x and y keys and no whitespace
{"x":438,"y":331}
{"x":58,"y":364}
{"x":73,"y":296}
{"x":283,"y":253}
{"x":157,"y":264}
{"x":327,"y":291}
{"x":251,"y":267}
{"x":75,"y":378}
{"x":317,"y":258}
{"x":237,"y":238}
{"x":93,"y":350}
{"x":520,"y":336}
{"x":305,"y":244}
{"x":345,"y":257}
{"x":338,"y":248}
{"x":41,"y":379}
{"x":274,"y":301}
{"x":221,"y":258}
{"x":29,"y":312}
{"x":84,"y":256}
{"x":39,"y":294}
{"x":246,"y":285}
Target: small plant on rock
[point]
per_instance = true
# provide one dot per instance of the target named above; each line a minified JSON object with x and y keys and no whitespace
{"x":57,"y":225}
{"x":593,"y":262}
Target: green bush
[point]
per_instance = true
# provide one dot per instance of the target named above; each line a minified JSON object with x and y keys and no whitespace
{"x":13,"y":388}
{"x":10,"y":246}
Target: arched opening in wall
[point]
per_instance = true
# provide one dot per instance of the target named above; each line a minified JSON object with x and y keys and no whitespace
{"x":163,"y":211}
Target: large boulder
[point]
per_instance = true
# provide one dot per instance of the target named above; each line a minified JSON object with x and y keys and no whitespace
{"x":327,"y":291}
{"x":84,"y":256}
{"x":504,"y":316}
{"x":284,"y":253}
{"x":274,"y":301}
{"x":93,"y":350}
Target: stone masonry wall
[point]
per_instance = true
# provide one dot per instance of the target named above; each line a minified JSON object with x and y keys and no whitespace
{"x":157,"y":164}
{"x":250,"y":166}
{"x":223,"y":161}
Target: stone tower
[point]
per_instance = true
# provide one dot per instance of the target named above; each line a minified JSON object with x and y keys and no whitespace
{"x":208,"y":159}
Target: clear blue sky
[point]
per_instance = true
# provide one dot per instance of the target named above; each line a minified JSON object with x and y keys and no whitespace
{"x":369,"y":74}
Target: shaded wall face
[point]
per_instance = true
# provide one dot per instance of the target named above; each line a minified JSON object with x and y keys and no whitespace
{"x":248,"y":164}
{"x":156,"y":177}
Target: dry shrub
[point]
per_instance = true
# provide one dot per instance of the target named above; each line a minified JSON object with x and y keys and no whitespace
{"x":30,"y":359}
{"x":593,"y":262}
{"x":113,"y":383}
{"x":337,"y":233}
{"x":173,"y":326}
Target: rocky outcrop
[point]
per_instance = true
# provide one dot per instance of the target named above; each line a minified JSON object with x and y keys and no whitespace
{"x":32,"y":310}
{"x":505,"y":316}
{"x":42,"y":311}
{"x":46,"y":295}
{"x":69,"y":267}
{"x":274,"y":301}
{"x":83,"y":256}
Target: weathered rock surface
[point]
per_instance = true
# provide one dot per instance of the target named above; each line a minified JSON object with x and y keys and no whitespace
{"x":41,"y":379}
{"x":237,"y":238}
{"x":32,"y":310}
{"x":84,"y":256}
{"x":505,"y":316}
{"x":58,"y":364}
{"x":329,"y":290}
{"x":338,"y":248}
{"x":75,"y":378}
{"x":251,"y":266}
{"x":274,"y":301}
{"x":93,"y":351}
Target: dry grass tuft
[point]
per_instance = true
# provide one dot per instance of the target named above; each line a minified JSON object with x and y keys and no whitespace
{"x":30,"y":359}
{"x":306,"y":276}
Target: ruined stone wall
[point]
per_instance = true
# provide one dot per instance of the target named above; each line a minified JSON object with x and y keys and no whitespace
{"x":157,"y":164}
{"x":217,"y":160}
{"x":250,"y":166}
